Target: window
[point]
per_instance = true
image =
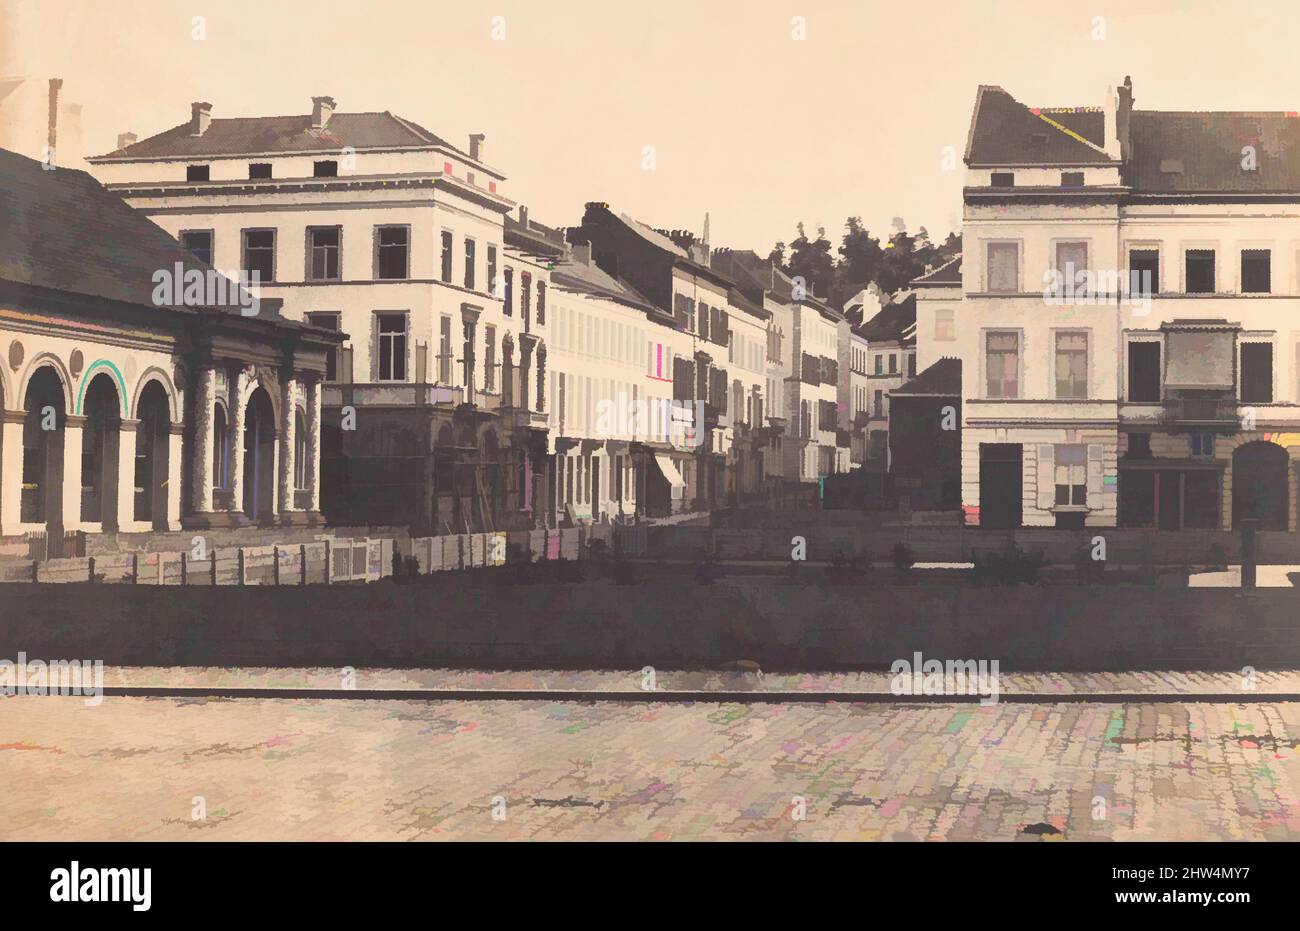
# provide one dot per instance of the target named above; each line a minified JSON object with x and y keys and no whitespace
{"x":1144,"y":271}
{"x":1003,"y":179}
{"x":329,"y":320}
{"x":525,"y":296}
{"x":1144,"y":372}
{"x":198,"y":242}
{"x":704,"y":320}
{"x":944,"y":325}
{"x":1202,"y":445}
{"x":1071,"y":468}
{"x":1071,"y":258}
{"x":1255,"y":271}
{"x":489,"y":358}
{"x":444,"y":351}
{"x":1257,"y":373}
{"x":323,"y":252}
{"x":259,"y":254}
{"x":1003,"y":267}
{"x":541,"y":303}
{"x":391,"y":346}
{"x":219,"y":447}
{"x":391,"y":248}
{"x":1072,"y":365}
{"x":259,"y":170}
{"x":325,"y":169}
{"x":880,"y":364}
{"x":469,"y":263}
{"x":492,"y":283}
{"x":510,"y":292}
{"x":445,"y":271}
{"x":911,"y":366}
{"x":196,"y":172}
{"x":1200,"y":271}
{"x":1002,"y":364}
{"x":893,"y":364}
{"x":1139,"y":446}
{"x":1072,"y":179}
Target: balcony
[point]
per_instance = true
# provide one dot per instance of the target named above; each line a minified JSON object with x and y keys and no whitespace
{"x":394,"y":394}
{"x":1207,"y":413}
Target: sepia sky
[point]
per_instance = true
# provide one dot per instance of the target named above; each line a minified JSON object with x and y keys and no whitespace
{"x":748,"y":123}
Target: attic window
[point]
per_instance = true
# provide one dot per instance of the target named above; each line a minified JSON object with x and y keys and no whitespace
{"x":329,"y":169}
{"x":196,"y":172}
{"x":1171,"y":166}
{"x":1003,"y":179}
{"x":259,"y":170}
{"x":1072,"y":179}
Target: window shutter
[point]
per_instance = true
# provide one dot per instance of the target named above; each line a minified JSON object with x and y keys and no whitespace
{"x":1046,"y":476}
{"x":1095,"y":472}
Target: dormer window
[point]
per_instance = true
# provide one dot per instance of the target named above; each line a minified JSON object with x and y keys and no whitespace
{"x":1003,"y":179}
{"x":196,"y":172}
{"x":259,"y":171}
{"x":326,"y":169}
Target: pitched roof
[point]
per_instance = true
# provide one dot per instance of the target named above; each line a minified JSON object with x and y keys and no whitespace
{"x":896,"y":321}
{"x":281,"y":134}
{"x":949,"y":273}
{"x":590,"y":279}
{"x":1202,"y":152}
{"x":1004,"y":131}
{"x":64,"y":230}
{"x":941,"y":378}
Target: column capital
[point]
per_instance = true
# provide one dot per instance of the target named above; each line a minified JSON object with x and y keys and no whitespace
{"x":14,"y":417}
{"x":76,"y":421}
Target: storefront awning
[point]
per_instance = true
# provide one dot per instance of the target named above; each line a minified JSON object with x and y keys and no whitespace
{"x":669,"y":470}
{"x":1200,"y":358}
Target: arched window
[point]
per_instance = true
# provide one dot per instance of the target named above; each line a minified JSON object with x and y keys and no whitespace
{"x":220,"y":444}
{"x":299,"y":451}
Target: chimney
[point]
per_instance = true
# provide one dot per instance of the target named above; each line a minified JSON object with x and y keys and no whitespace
{"x":1123,"y":114}
{"x":52,"y":126}
{"x":523,"y":216}
{"x":322,"y":108}
{"x":126,"y":139}
{"x":1111,"y":135}
{"x":582,"y":253}
{"x":200,"y":117}
{"x":476,"y":146}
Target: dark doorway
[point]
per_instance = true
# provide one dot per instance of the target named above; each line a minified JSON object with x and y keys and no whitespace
{"x":43,"y":437}
{"x":152,"y":456}
{"x":259,"y":457}
{"x":1259,"y":485}
{"x":99,"y":453}
{"x":1001,"y":482}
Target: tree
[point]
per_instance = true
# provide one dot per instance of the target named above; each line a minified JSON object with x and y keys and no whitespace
{"x":811,"y":260}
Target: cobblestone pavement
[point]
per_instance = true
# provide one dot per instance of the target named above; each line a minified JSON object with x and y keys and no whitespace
{"x":133,"y":768}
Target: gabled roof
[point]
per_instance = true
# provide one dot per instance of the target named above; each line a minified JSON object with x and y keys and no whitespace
{"x":896,"y":321}
{"x":943,"y":378}
{"x":590,"y":279}
{"x":946,"y":275}
{"x":1203,"y":152}
{"x":63,"y":230}
{"x":1004,"y":131}
{"x":271,"y":135}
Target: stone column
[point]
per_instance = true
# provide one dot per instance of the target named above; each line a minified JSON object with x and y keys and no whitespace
{"x":175,"y":469}
{"x":287,"y":440}
{"x":205,"y":403}
{"x":126,"y":448}
{"x":313,"y":442}
{"x":236,"y":380}
{"x":11,"y":471}
{"x":73,"y":428}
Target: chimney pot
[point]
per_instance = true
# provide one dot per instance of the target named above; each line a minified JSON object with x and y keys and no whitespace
{"x":126,"y":139}
{"x":523,"y":216}
{"x":476,"y":146}
{"x":322,"y":108}
{"x":200,"y":117}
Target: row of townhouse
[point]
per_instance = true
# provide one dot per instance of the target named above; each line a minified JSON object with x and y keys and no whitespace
{"x":1121,"y":339}
{"x":486,"y":371}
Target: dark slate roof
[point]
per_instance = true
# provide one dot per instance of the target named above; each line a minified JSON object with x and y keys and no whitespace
{"x":1202,"y":152}
{"x":590,"y":279}
{"x":278,"y":134}
{"x":949,"y":273}
{"x":1004,"y":131}
{"x":893,"y":322}
{"x":941,"y":378}
{"x":62,"y":229}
